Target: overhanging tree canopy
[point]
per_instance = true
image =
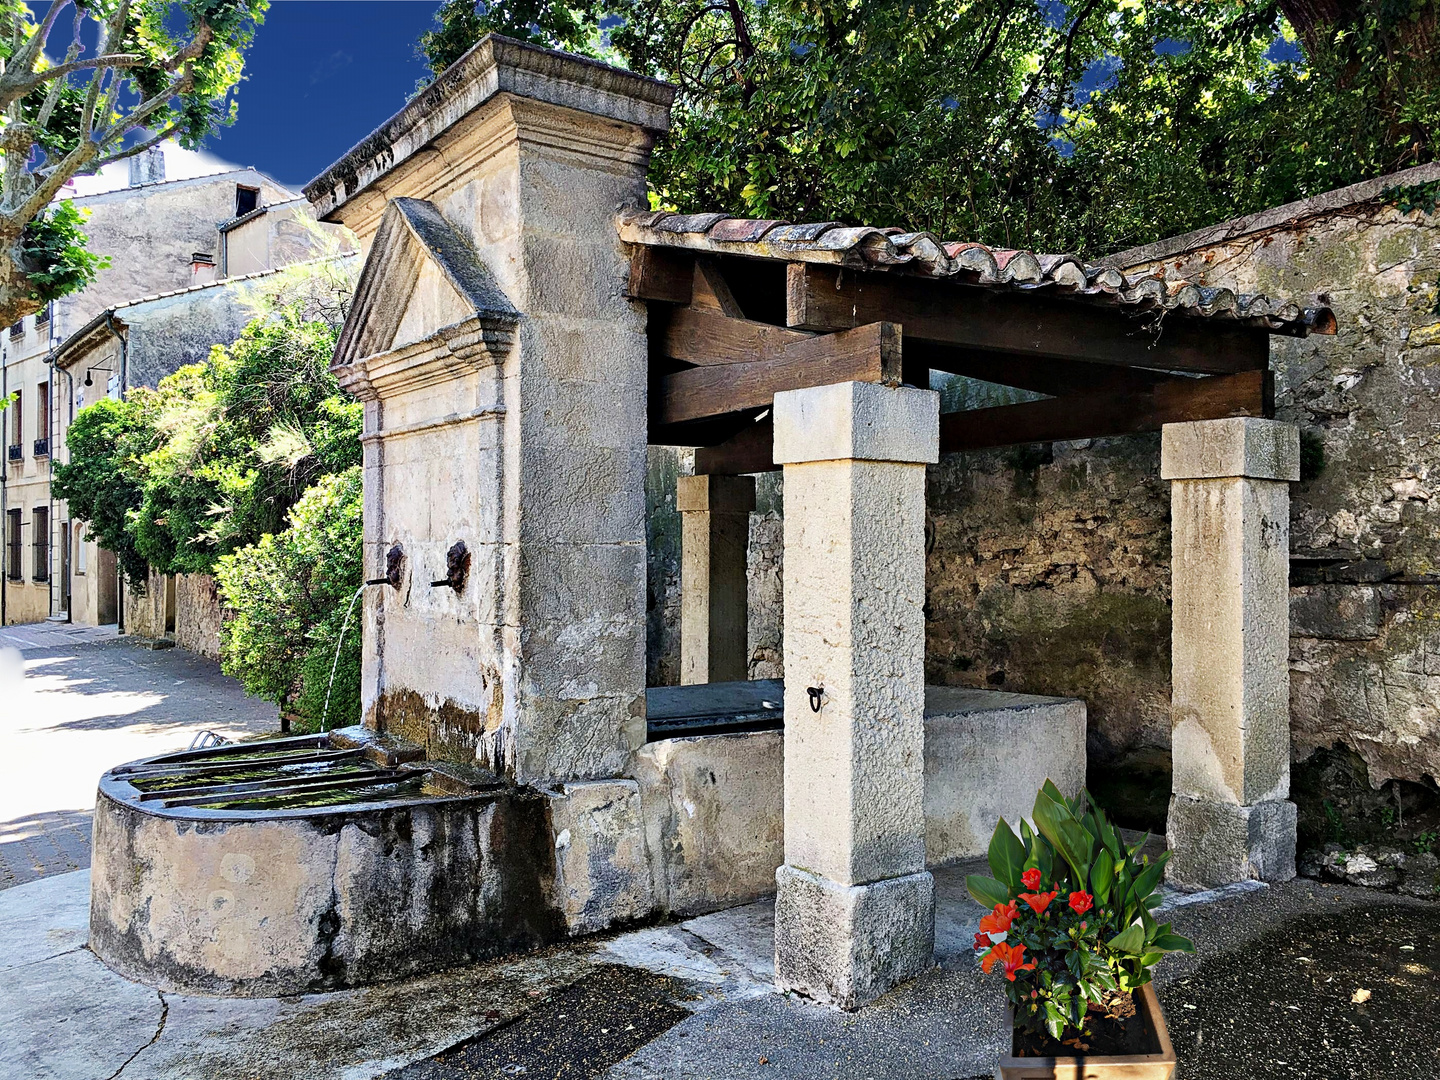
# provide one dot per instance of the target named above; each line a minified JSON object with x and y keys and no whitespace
{"x":159,"y":69}
{"x":1080,"y":127}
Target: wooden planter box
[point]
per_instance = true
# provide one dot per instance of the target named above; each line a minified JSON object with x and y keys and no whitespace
{"x":1159,"y":1066}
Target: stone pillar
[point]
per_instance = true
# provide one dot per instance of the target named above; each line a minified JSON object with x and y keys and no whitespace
{"x":715,"y":516}
{"x":509,"y":373}
{"x":855,"y":909}
{"x":1230,"y":683}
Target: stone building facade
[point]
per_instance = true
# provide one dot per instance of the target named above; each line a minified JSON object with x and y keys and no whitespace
{"x":1049,"y":564}
{"x":159,"y":218}
{"x":186,"y":233}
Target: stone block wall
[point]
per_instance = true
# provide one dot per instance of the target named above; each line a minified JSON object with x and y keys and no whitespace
{"x":197,"y":614}
{"x":1048,"y":565}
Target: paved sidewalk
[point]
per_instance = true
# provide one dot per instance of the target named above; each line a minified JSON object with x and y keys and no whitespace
{"x":693,"y":1001}
{"x":75,"y":701}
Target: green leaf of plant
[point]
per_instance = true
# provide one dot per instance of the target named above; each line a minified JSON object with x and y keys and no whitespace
{"x":1007,"y":856}
{"x":986,"y":891}
{"x":1146,"y":880}
{"x":1102,"y":876}
{"x":1130,"y":940}
{"x":1172,"y":943}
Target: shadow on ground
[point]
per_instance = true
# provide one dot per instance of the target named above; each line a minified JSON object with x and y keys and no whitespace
{"x":1344,"y":994}
{"x":39,"y":844}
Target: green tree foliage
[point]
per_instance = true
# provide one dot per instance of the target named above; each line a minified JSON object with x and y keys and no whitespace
{"x":104,"y":483}
{"x":158,"y":69}
{"x":1086,"y":126}
{"x":215,"y":456}
{"x":288,"y":596}
{"x":242,"y":436}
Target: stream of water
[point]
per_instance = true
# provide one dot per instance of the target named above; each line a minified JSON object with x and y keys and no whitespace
{"x":325,"y":713}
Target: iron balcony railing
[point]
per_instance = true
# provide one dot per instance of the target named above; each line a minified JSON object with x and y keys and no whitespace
{"x":42,"y":447}
{"x":17,"y":453}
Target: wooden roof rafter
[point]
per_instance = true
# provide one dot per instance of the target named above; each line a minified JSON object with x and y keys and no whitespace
{"x":715,"y":369}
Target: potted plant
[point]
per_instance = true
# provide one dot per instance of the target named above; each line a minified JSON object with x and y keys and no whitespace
{"x":1071,"y":931}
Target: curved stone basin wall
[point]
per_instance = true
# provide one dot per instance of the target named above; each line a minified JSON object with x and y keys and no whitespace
{"x":281,"y":901}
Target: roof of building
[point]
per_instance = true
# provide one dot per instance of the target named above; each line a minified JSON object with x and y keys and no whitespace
{"x":261,"y":211}
{"x":922,"y":254}
{"x":63,"y":352}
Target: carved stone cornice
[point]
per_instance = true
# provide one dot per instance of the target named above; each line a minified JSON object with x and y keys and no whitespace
{"x":452,"y":352}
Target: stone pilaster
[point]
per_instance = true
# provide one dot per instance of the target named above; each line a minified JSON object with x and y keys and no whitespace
{"x":715,"y":533}
{"x":855,"y":907}
{"x":1230,"y":695}
{"x":500,"y":184}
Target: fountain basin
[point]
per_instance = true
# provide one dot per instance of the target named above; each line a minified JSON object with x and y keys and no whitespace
{"x":312,"y":863}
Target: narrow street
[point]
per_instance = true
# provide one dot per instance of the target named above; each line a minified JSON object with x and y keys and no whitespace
{"x":75,"y":701}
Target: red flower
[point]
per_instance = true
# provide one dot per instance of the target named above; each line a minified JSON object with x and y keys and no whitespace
{"x":1081,"y":902}
{"x":1031,"y":878}
{"x":998,"y":922}
{"x":982,"y":941}
{"x":1013,"y":964}
{"x":1039,"y":901}
{"x":1011,"y":957}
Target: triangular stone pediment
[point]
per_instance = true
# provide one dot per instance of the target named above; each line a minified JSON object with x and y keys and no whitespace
{"x":422,"y":276}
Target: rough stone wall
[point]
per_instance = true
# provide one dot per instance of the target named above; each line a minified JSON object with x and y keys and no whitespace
{"x":1365,"y":612}
{"x":197,"y":614}
{"x":145,"y":609}
{"x":1048,"y":573}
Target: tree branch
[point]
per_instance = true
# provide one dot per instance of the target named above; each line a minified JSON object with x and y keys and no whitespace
{"x":138,"y":148}
{"x":30,"y":52}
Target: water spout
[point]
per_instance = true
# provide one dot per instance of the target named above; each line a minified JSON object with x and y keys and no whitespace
{"x":325,"y":713}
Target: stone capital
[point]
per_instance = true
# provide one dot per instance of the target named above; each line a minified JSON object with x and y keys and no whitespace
{"x":1238,"y":446}
{"x":857,"y":421}
{"x":715,"y":494}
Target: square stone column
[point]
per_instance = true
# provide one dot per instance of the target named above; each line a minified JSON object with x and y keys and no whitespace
{"x":1230,"y":630}
{"x":855,"y":910}
{"x":715,"y":537}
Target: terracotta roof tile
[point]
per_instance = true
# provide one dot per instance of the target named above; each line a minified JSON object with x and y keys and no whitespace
{"x":923,"y":254}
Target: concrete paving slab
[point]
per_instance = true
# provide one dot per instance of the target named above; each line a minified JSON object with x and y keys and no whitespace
{"x":45,"y":919}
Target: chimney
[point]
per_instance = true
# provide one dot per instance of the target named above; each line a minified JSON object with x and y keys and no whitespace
{"x":147,"y":167}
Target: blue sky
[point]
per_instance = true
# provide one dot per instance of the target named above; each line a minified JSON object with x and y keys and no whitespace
{"x":319,"y":78}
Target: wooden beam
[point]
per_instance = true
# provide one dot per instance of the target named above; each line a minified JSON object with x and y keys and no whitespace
{"x":865,"y":354}
{"x":1093,"y":416}
{"x":750,"y":451}
{"x":709,"y":291}
{"x":707,"y":337}
{"x":661,"y":274}
{"x":826,"y":299}
{"x":1041,"y":374}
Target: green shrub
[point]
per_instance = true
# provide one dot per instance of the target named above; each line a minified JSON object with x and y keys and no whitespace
{"x":287,"y":598}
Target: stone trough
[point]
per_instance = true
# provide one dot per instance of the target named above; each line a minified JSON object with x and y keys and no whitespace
{"x":325,"y":861}
{"x":310,"y":863}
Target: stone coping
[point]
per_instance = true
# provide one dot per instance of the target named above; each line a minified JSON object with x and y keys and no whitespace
{"x":493,"y":66}
{"x":743,"y":697}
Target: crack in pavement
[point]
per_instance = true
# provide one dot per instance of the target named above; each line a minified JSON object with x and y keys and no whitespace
{"x":84,"y":947}
{"x":159,"y":1029}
